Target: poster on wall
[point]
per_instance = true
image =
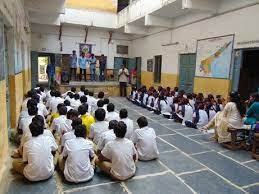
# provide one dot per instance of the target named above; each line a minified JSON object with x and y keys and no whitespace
{"x":150,"y":65}
{"x":86,"y":48}
{"x":214,"y":57}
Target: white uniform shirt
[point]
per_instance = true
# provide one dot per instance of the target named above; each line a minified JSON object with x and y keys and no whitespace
{"x":188,"y":113}
{"x":75,"y":103}
{"x":24,"y":124}
{"x":145,"y":140}
{"x":42,"y":110}
{"x":130,"y":127}
{"x":60,"y":125}
{"x":97,"y":129}
{"x":37,"y":152}
{"x":78,"y":166}
{"x":120,"y":151}
{"x":24,"y":104}
{"x":81,"y":93}
{"x":150,"y":98}
{"x":112,"y":116}
{"x":67,"y":136}
{"x":54,"y":104}
{"x":165,"y":107}
{"x":203,"y":120}
{"x":105,"y":138}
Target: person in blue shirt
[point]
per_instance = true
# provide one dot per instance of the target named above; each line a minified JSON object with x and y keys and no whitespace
{"x":82,"y":64}
{"x":93,"y":67}
{"x":51,"y":73}
{"x":102,"y":67}
{"x":73,"y":65}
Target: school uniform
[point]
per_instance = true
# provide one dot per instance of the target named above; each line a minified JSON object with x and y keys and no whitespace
{"x":188,"y":113}
{"x":78,"y":167}
{"x":120,"y":151}
{"x":130,"y":127}
{"x":65,"y":94}
{"x":97,"y":129}
{"x":145,"y":140}
{"x":24,"y":104}
{"x":67,"y":136}
{"x":106,"y":137}
{"x":54,"y":103}
{"x":42,"y":110}
{"x":200,"y":119}
{"x":112,"y":116}
{"x":87,"y":120}
{"x":75,"y":103}
{"x":165,"y":108}
{"x":150,"y":101}
{"x":81,"y":93}
{"x":37,"y":152}
{"x":60,"y":125}
{"x":24,"y":124}
{"x":211,"y":114}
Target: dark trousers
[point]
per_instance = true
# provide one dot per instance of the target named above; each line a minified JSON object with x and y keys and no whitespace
{"x":190,"y":124}
{"x":177,"y":118}
{"x":82,"y":71}
{"x":72,"y":73}
{"x":102,"y":76}
{"x":123,"y":89}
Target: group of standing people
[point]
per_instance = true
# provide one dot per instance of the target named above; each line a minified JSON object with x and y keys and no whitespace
{"x":84,"y":62}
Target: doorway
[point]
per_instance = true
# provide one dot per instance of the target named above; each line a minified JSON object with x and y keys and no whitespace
{"x":248,"y":79}
{"x":158,"y":68}
{"x":187,"y":72}
{"x":138,"y":65}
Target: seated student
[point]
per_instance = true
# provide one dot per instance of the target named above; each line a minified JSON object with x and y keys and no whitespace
{"x":92,"y":103}
{"x":132,"y":94}
{"x":111,"y":114}
{"x":75,"y":103}
{"x":77,"y":154}
{"x":87,"y":119}
{"x":107,"y":136}
{"x":210,"y":109}
{"x":184,"y":112}
{"x":55,"y":115}
{"x":99,"y":127}
{"x":60,"y":125}
{"x":83,"y":99}
{"x":176,"y":91}
{"x":145,"y":140}
{"x":82,"y":91}
{"x":71,"y":134}
{"x":100,"y":95}
{"x":118,"y":157}
{"x":164,"y":107}
{"x":100,"y":104}
{"x":24,"y":113}
{"x":69,"y":97}
{"x":72,"y":90}
{"x":67,"y":104}
{"x":54,"y":103}
{"x":27,"y":97}
{"x":42,"y":110}
{"x":51,"y":98}
{"x":86,"y":93}
{"x":106,"y":101}
{"x":174,"y":106}
{"x":191,"y":101}
{"x":37,"y":163}
{"x":52,"y":88}
{"x":128,"y":122}
{"x":150,"y":101}
{"x":200,"y":118}
{"x":145,"y":100}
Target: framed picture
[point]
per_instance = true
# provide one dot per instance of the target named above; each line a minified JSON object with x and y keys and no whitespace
{"x":86,"y":48}
{"x":214,"y":56}
{"x":150,"y":65}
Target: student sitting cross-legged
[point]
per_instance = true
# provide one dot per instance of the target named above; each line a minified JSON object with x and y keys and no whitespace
{"x":87,"y":119}
{"x":118,"y":157}
{"x":111,"y":114}
{"x":76,"y":158}
{"x":127,"y":121}
{"x":144,"y":139}
{"x":37,"y":163}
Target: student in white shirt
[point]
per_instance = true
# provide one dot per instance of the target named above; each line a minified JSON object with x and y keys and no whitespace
{"x":54,"y":103}
{"x":111,"y":114}
{"x":107,"y":136}
{"x":72,"y":90}
{"x":106,"y":101}
{"x":184,"y":112}
{"x":92,"y":103}
{"x":100,"y":104}
{"x":67,"y":104}
{"x":28,"y":97}
{"x":75,"y":103}
{"x":128,"y":122}
{"x":144,"y":139}
{"x":42,"y":110}
{"x":37,"y":163}
{"x":77,"y":155}
{"x":99,"y":127}
{"x":118,"y":157}
{"x":100,"y":95}
{"x":82,"y":91}
{"x":60,"y":125}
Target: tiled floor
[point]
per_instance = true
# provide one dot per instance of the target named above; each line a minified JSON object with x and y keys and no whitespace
{"x":189,"y":163}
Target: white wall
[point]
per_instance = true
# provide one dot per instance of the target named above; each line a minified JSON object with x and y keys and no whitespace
{"x":242,"y":23}
{"x":45,"y":39}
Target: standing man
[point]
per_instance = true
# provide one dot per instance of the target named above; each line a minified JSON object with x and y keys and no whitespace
{"x":102,"y":67}
{"x":93,"y":67}
{"x":73,"y":65}
{"x":51,"y":73}
{"x":82,"y":64}
{"x":123,"y":79}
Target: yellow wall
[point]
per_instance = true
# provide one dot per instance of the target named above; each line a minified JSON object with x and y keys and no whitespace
{"x":103,"y":5}
{"x":212,"y":86}
{"x":26,"y":80}
{"x":16,"y":96}
{"x":147,"y":79}
{"x":3,"y":129}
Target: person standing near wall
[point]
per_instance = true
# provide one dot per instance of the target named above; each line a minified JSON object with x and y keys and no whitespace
{"x":51,"y":70}
{"x":73,"y":65}
{"x":123,"y":79}
{"x":82,"y":64}
{"x":102,"y":67}
{"x":93,"y":67}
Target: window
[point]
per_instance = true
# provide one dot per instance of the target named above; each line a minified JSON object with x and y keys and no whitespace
{"x":122,"y":49}
{"x":157,"y":70}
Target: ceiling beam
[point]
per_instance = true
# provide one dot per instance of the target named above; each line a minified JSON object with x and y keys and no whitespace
{"x":132,"y":29}
{"x":201,"y":5}
{"x":151,"y":20}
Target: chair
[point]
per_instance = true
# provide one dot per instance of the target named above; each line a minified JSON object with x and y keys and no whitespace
{"x":235,"y":143}
{"x":255,"y":149}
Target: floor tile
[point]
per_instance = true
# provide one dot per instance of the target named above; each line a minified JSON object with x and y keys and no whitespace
{"x":178,"y":162}
{"x":201,"y":138}
{"x":227,"y":168}
{"x":206,"y":182}
{"x":164,"y":184}
{"x":162,"y":146}
{"x":22,"y":186}
{"x":107,"y":189}
{"x":159,"y":129}
{"x":239,"y":155}
{"x":214,"y":146}
{"x":253,"y":189}
{"x":149,"y":167}
{"x":186,"y":145}
{"x":189,"y":131}
{"x":253,"y":165}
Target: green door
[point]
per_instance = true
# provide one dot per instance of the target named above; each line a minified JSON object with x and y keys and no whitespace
{"x":187,"y":72}
{"x":34,"y":68}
